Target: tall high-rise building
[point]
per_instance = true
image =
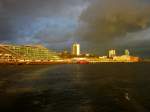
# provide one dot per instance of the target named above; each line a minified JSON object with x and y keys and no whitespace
{"x":127,"y":53}
{"x":112,"y":53}
{"x":76,"y":49}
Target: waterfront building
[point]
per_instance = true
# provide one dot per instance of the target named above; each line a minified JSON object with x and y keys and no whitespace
{"x":127,"y":53}
{"x":125,"y":58}
{"x":76,"y":49}
{"x":29,"y":52}
{"x":112,"y":53}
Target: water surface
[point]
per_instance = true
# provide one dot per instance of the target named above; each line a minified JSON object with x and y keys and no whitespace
{"x":75,"y":88}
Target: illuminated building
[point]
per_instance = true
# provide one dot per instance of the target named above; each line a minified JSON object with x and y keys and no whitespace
{"x":112,"y":53}
{"x":127,"y":53}
{"x":29,"y":52}
{"x":125,"y":58}
{"x":134,"y":59}
{"x":76,"y":49}
{"x":38,"y":53}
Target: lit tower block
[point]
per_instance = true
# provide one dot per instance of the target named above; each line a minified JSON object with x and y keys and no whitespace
{"x":127,"y":53}
{"x":76,"y":49}
{"x":112,"y":53}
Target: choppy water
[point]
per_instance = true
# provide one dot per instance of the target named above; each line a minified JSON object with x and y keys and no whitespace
{"x":75,"y":88}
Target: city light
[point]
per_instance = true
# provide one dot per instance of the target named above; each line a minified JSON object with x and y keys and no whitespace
{"x":38,"y":54}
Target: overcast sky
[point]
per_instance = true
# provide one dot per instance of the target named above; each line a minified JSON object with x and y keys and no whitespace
{"x":98,"y":25}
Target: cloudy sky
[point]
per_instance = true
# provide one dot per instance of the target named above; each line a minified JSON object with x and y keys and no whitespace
{"x":98,"y":25}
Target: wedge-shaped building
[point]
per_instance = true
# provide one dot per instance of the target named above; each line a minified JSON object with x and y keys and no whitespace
{"x":27,"y":52}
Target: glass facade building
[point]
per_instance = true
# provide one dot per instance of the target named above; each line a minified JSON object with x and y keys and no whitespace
{"x":32,"y":52}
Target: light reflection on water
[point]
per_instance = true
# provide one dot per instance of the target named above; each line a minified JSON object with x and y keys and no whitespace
{"x":75,"y":88}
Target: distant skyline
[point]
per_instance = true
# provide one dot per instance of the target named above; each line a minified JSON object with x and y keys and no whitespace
{"x":98,"y":25}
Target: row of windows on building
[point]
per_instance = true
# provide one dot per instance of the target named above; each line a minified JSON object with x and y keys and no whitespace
{"x":32,"y":52}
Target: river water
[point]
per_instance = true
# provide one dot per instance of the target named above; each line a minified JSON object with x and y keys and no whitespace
{"x":113,"y":87}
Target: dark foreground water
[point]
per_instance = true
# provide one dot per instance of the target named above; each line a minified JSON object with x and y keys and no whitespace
{"x":75,"y":88}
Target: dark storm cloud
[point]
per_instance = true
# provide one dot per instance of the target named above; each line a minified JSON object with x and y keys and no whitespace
{"x":37,"y":7}
{"x":21,"y":16}
{"x":6,"y":29}
{"x":105,"y":24}
{"x":138,"y":42}
{"x":105,"y":20}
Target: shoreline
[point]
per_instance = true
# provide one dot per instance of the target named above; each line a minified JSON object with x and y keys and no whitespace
{"x":60,"y":63}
